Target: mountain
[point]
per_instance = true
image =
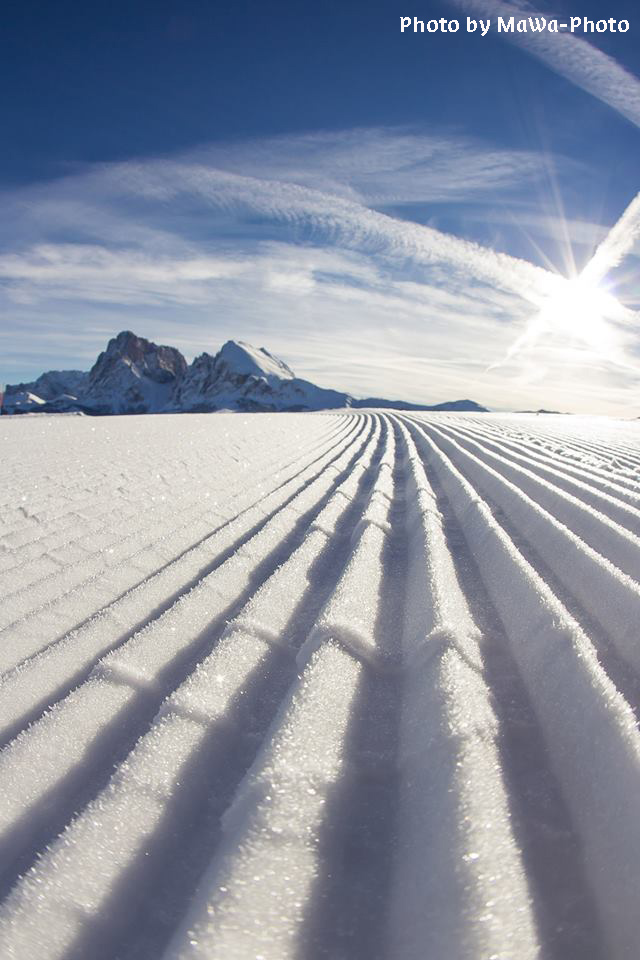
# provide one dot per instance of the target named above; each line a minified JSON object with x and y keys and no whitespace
{"x":52,"y":384}
{"x":469,"y":406}
{"x":50,"y":388}
{"x":542,"y":410}
{"x":134,"y":375}
{"x":241,"y":377}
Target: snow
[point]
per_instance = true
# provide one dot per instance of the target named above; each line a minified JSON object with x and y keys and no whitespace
{"x":343,"y":684}
{"x":249,"y":361}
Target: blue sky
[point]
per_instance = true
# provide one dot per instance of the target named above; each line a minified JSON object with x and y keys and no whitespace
{"x":392,"y":213}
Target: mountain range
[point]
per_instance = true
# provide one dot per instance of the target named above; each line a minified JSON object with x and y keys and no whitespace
{"x":134,"y":375}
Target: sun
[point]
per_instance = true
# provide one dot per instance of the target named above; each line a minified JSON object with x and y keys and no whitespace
{"x":577,"y":310}
{"x":575,"y":319}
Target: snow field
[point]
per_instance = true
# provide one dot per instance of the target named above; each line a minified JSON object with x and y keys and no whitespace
{"x":608,"y":594}
{"x":256,"y":876}
{"x":27,"y":687}
{"x":618,"y":544}
{"x":106,"y":584}
{"x":622,"y":504}
{"x":348,"y":685}
{"x":453,"y":809}
{"x":564,"y":453}
{"x":117,"y":682}
{"x":137,"y":669}
{"x":576,"y":703}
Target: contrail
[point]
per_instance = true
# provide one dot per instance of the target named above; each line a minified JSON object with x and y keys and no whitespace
{"x":616,"y":245}
{"x":571,"y":57}
{"x":346,"y":221}
{"x":600,"y":75}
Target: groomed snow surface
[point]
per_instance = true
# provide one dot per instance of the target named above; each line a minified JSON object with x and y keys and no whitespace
{"x":346,"y":685}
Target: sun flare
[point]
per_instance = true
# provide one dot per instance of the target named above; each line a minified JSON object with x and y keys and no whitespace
{"x":577,"y":319}
{"x":578,"y":310}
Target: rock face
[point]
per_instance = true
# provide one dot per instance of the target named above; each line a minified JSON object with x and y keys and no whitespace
{"x":134,"y":375}
{"x":241,"y":377}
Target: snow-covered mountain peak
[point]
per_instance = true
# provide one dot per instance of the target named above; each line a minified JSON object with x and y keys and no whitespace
{"x":243,"y":359}
{"x":49,"y":386}
{"x":134,"y":375}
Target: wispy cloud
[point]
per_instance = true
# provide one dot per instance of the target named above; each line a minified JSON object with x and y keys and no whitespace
{"x":88,"y":272}
{"x":341,"y":221}
{"x":379,"y":167}
{"x":114,"y":198}
{"x":288,"y":242}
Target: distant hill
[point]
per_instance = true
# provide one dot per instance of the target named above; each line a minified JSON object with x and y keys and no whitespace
{"x":134,"y":375}
{"x":562,"y":413}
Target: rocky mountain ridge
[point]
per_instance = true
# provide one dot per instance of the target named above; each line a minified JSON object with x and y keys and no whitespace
{"x":134,"y":375}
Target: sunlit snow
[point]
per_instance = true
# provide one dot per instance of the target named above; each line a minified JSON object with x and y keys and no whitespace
{"x":335,"y":685}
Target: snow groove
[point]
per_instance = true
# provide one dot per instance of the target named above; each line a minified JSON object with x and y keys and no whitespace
{"x":611,"y":596}
{"x":355,"y":685}
{"x":553,"y":654}
{"x":455,"y":842}
{"x":130,"y":681}
{"x":616,"y":543}
{"x":43,"y":679}
{"x":592,"y":486}
{"x":285,"y":793}
{"x":559,"y":894}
